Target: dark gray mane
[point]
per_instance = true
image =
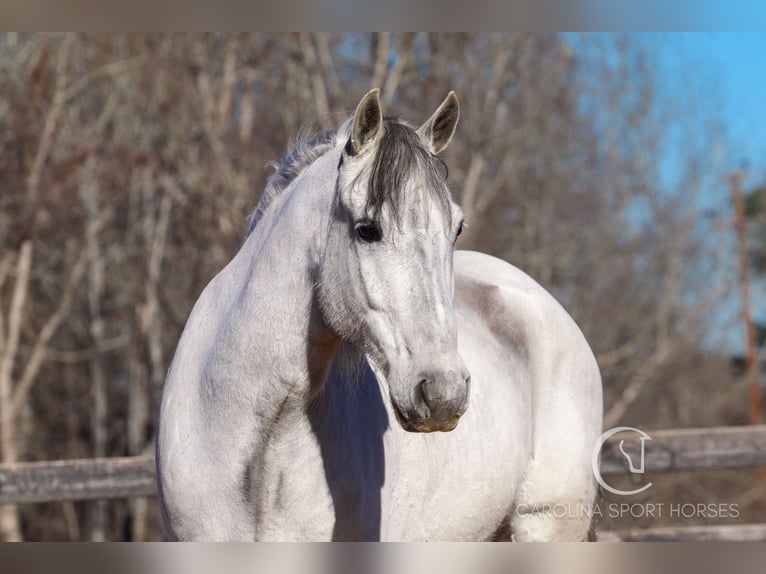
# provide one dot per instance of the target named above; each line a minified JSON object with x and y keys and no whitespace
{"x":304,"y":151}
{"x":400,"y":152}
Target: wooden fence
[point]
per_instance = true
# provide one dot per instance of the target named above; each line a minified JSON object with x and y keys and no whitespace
{"x":667,"y":451}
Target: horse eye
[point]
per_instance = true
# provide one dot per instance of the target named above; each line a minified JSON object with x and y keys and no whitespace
{"x":459,"y":230}
{"x":368,"y":231}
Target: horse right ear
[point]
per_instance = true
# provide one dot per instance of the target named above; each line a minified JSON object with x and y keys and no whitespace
{"x":438,"y":130}
{"x":368,"y":119}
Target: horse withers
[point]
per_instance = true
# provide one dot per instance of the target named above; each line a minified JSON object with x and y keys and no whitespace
{"x":350,"y":376}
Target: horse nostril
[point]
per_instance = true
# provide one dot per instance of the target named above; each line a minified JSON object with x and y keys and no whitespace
{"x":424,"y":396}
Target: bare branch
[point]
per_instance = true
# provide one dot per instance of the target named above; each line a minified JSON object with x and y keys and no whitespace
{"x":380,"y":59}
{"x":205,"y":86}
{"x":317,"y":83}
{"x":328,"y":67}
{"x":109,"y":70}
{"x":51,"y":121}
{"x":80,"y":355}
{"x":499,"y":64}
{"x":490,"y":191}
{"x":634,"y":387}
{"x":394,"y":76}
{"x":20,"y":292}
{"x":228,"y":82}
{"x":247,"y":115}
{"x":471,"y":186}
{"x":5,"y":265}
{"x":49,"y":329}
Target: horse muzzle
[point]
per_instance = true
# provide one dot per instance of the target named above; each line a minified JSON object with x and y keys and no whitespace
{"x":439,"y":399}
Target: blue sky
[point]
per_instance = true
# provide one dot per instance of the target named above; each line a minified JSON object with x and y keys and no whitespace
{"x":740,"y":62}
{"x":719,"y":76}
{"x":734,"y":63}
{"x":731,"y":67}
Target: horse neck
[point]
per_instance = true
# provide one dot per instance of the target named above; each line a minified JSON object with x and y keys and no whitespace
{"x":287,"y":334}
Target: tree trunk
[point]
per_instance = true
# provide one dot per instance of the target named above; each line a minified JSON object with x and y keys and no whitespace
{"x":10,"y":526}
{"x":99,"y":414}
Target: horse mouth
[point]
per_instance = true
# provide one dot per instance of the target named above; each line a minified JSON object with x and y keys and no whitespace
{"x":403,"y":422}
{"x":426,"y":426}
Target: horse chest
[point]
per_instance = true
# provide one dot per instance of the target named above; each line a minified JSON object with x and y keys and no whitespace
{"x":352,"y":477}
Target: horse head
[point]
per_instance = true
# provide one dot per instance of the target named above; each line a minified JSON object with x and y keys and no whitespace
{"x":386,"y":283}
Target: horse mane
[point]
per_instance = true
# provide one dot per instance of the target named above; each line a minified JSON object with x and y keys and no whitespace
{"x":304,"y":150}
{"x":399,"y":152}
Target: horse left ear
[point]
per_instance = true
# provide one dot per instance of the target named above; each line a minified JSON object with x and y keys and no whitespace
{"x":438,"y":130}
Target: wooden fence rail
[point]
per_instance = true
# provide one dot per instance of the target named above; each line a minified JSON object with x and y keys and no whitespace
{"x":668,"y":451}
{"x":688,"y":449}
{"x":85,"y":479}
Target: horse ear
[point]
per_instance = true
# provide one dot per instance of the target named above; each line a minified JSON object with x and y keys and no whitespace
{"x":438,"y":130}
{"x":367,"y":122}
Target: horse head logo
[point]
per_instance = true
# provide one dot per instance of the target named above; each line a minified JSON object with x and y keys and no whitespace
{"x":643,"y":437}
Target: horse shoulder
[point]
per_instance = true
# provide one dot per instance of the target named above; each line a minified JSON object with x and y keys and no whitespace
{"x":517,"y":308}
{"x":525,"y":318}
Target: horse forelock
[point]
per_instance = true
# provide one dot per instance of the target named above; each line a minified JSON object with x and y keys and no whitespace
{"x":400,"y":159}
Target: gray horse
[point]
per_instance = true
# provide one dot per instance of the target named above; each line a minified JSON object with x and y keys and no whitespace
{"x":313,"y":369}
